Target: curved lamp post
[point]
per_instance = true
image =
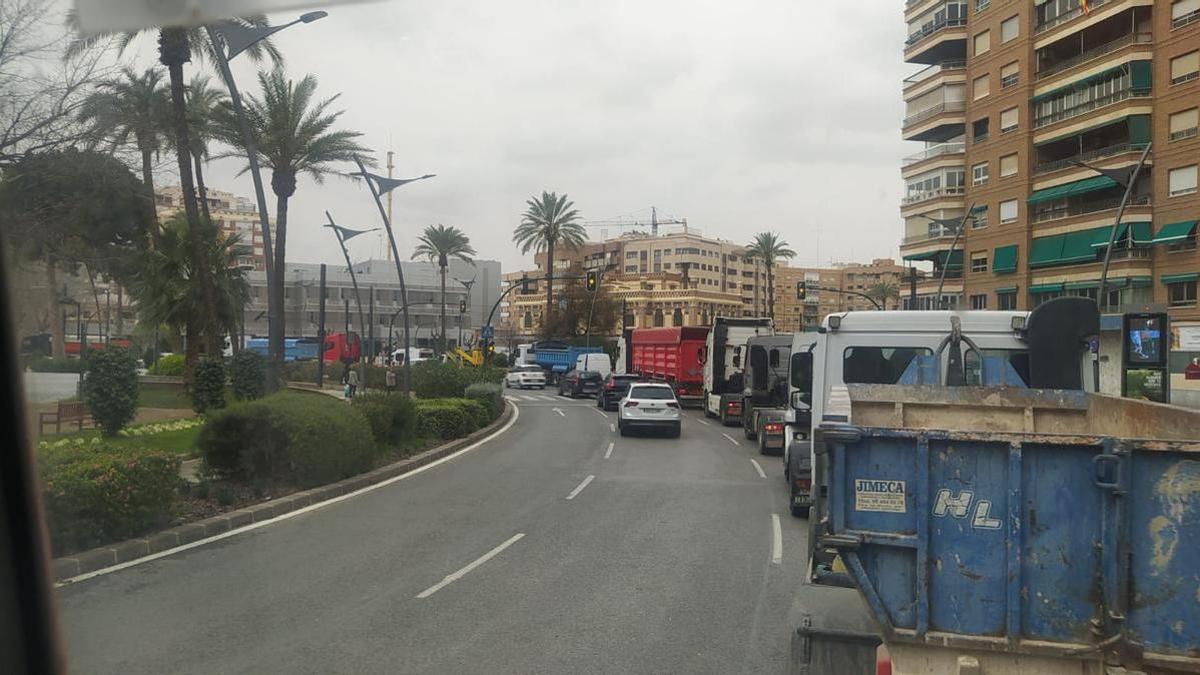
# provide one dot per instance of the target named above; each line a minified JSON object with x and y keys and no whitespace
{"x":343,"y":235}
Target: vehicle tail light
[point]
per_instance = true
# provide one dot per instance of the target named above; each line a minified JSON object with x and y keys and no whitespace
{"x":681,"y":392}
{"x":804,"y":483}
{"x":774,"y":427}
{"x":672,"y":404}
{"x":631,"y":404}
{"x":610,"y":385}
{"x":883,"y":661}
{"x":734,"y":405}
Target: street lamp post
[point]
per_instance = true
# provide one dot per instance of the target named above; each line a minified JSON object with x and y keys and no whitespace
{"x":236,"y":38}
{"x":960,"y":225}
{"x":381,"y":185}
{"x":344,"y":234}
{"x":467,"y":285}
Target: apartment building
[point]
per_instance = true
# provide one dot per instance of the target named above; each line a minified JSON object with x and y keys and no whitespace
{"x":837,"y":289}
{"x":1020,"y":107}
{"x":231,"y":214}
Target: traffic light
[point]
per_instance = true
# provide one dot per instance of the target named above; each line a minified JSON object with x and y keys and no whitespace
{"x":491,"y":347}
{"x":801,"y":290}
{"x":524,"y":285}
{"x":592,"y":281}
{"x":462,"y":306}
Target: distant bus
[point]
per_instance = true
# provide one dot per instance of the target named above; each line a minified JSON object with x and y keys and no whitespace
{"x":338,"y":347}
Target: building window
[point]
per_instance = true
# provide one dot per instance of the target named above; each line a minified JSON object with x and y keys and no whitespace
{"x":979,"y":218}
{"x":1184,"y":12}
{"x":983,"y":42}
{"x":1008,"y":165}
{"x":1010,"y":28}
{"x":1181,"y":294}
{"x":1183,"y":123}
{"x":979,"y":174}
{"x":1006,"y":300}
{"x":1009,"y":75}
{"x":1188,"y":244}
{"x":1008,"y":211}
{"x":979,"y":87}
{"x":1181,"y":181}
{"x":1185,"y":68}
{"x":981,"y":5}
{"x":1008,"y":120}
{"x":979,"y":262}
{"x":1036,"y":299}
{"x":979,"y":130}
{"x":979,"y":301}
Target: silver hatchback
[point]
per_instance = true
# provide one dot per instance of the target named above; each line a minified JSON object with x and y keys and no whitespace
{"x":649,"y":406}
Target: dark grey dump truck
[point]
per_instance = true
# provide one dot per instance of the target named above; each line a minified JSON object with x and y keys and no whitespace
{"x":765,"y":391}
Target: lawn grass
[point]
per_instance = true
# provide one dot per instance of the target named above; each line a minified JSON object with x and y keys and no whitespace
{"x":181,"y":442}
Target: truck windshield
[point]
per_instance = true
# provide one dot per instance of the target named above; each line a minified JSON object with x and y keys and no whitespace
{"x":1018,"y":359}
{"x":801,"y":374}
{"x":878,"y":365}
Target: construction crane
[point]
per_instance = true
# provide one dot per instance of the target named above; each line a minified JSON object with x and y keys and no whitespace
{"x":621,"y":224}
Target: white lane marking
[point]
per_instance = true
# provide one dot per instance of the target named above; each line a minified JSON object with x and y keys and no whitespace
{"x":731,"y":439}
{"x":776,"y":540}
{"x":292,"y":514}
{"x":758,"y":468}
{"x":451,"y":578}
{"x":608,"y":452}
{"x":550,"y":398}
{"x":579,"y":488}
{"x":510,"y":397}
{"x":705,"y":423}
{"x":612,"y":427}
{"x":601,"y":413}
{"x":559,"y":411}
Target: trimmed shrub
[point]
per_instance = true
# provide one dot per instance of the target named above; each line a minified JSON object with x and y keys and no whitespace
{"x":110,"y":388}
{"x":432,"y":379}
{"x":498,"y":360}
{"x":392,"y":417}
{"x":208,"y":385}
{"x":442,"y":420}
{"x":47,"y":364}
{"x":97,"y":495}
{"x":248,"y":374}
{"x":476,"y":413}
{"x":293,"y":437}
{"x":488,"y":394}
{"x":171,"y":365}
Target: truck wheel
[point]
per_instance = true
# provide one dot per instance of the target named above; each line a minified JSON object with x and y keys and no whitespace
{"x":762,"y":445}
{"x":800,"y":511}
{"x":724,"y":419}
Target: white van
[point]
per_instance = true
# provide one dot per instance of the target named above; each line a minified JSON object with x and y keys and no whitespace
{"x":596,"y":363}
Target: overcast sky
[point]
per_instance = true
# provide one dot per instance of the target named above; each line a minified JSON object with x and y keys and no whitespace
{"x":739,"y":116}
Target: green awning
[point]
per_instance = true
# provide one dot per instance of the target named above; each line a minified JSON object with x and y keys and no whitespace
{"x":1004,"y":259}
{"x":956,"y":260}
{"x":1142,"y":234}
{"x":1077,"y":246}
{"x":940,"y":257}
{"x":1177,"y":278}
{"x":1080,"y":83}
{"x":1174,"y":232}
{"x":1101,"y":239}
{"x":1139,"y":129}
{"x":927,"y":255}
{"x":1006,"y":289}
{"x":1081,"y":285}
{"x":977,"y":209}
{"x":1141,"y":75}
{"x":1070,"y":189}
{"x":1046,"y":251}
{"x":1140,"y":282}
{"x":1127,"y":121}
{"x":1046,"y":288}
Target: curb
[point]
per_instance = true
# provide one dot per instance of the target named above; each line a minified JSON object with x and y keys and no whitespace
{"x":129,"y":550}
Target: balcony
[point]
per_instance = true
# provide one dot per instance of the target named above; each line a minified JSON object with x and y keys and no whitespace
{"x":1086,"y":208}
{"x":939,"y":193}
{"x":1089,"y":106}
{"x":941,"y":40}
{"x":1086,"y":157}
{"x":934,"y":235}
{"x":1067,"y":16}
{"x":928,"y":73}
{"x":1093,"y":53}
{"x":925,"y":125}
{"x":932,"y":29}
{"x":955,"y":148}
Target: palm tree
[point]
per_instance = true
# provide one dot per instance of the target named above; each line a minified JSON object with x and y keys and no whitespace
{"x":549,"y":221}
{"x":769,"y":247}
{"x":163,"y":284}
{"x":438,"y":244}
{"x":295,"y":136}
{"x":174,"y":50}
{"x":202,"y":103}
{"x":135,"y":106}
{"x":884,"y":291}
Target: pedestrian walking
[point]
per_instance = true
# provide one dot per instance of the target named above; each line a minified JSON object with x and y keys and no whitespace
{"x":389,"y":380}
{"x":352,"y":381}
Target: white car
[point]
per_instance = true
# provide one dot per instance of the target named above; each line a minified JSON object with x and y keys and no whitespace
{"x":649,"y":406}
{"x":525,"y":376}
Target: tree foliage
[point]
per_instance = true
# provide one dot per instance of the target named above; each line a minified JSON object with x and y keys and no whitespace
{"x":770,"y":248}
{"x":576,"y":303}
{"x":438,"y":244}
{"x":549,"y":222}
{"x":111,"y":388}
{"x":208,"y":385}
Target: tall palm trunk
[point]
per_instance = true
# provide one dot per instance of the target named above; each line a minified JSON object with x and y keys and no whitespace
{"x":202,"y":189}
{"x":120,"y":324}
{"x":771,"y":290}
{"x":58,"y":332}
{"x":442,"y":265}
{"x":283,"y":184}
{"x":173,"y":53}
{"x":548,"y":319}
{"x":148,"y":182}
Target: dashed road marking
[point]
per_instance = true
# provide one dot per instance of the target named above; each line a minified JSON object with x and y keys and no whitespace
{"x":612,"y":427}
{"x":451,"y":578}
{"x":731,"y":439}
{"x":776,"y":540}
{"x":559,"y":411}
{"x":579,"y":488}
{"x":608,"y":452}
{"x":704,"y":422}
{"x":758,"y":468}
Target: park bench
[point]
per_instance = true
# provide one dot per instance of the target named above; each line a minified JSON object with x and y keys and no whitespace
{"x":67,"y":411}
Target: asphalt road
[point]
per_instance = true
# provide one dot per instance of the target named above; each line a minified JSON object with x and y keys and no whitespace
{"x":540,"y":551}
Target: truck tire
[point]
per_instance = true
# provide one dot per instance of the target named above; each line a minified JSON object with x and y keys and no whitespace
{"x":748,"y":425}
{"x":762,"y":445}
{"x":799,"y":511}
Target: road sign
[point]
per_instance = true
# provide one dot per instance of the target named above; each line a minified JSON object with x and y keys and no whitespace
{"x":487,"y":332}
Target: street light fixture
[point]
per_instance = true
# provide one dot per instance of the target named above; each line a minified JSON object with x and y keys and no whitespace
{"x":237,"y":38}
{"x":467,"y":285}
{"x":343,"y":235}
{"x":381,"y":185}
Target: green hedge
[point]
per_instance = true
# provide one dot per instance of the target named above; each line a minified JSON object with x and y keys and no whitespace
{"x":291,"y":437}
{"x":171,"y":364}
{"x":393,"y":417}
{"x":489,"y":394}
{"x":248,"y":375}
{"x":47,"y":364}
{"x":432,"y":379}
{"x":99,"y":494}
{"x":110,"y":388}
{"x":441,"y":420}
{"x":208,"y":385}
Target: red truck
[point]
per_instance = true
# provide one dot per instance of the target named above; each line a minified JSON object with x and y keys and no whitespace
{"x":672,"y":355}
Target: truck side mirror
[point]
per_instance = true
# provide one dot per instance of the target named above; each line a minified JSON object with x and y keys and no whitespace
{"x":798,"y":401}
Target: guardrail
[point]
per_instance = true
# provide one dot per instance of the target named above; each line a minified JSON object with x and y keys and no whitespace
{"x":949,"y":191}
{"x":932,"y":28}
{"x":1087,"y":107}
{"x":954,"y":148}
{"x":929,"y":71}
{"x":929,"y":113}
{"x":1094,"y":52}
